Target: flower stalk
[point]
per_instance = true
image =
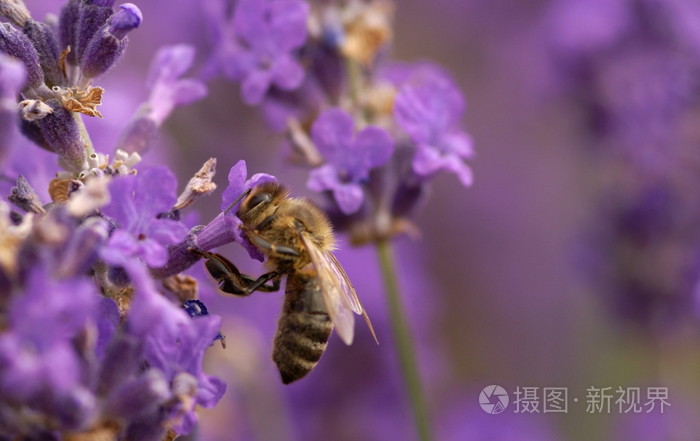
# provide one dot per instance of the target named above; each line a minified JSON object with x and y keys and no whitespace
{"x":403,"y":340}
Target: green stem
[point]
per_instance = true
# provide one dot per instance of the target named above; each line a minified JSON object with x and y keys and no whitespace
{"x":84,"y":135}
{"x":404,"y":343}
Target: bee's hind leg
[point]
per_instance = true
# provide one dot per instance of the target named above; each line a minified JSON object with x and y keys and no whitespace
{"x":231,"y":281}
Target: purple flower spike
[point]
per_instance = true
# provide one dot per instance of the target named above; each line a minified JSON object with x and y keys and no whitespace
{"x":349,"y":157}
{"x":174,"y":343}
{"x":36,"y":353}
{"x":136,"y":203}
{"x":269,"y":32}
{"x":168,"y":91}
{"x":428,"y":107}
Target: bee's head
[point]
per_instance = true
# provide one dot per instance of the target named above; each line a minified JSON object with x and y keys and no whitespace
{"x":261,"y":202}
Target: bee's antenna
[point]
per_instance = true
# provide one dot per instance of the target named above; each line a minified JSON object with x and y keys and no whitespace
{"x":238,"y":199}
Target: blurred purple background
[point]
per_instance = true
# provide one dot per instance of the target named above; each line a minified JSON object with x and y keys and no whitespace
{"x":498,"y":286}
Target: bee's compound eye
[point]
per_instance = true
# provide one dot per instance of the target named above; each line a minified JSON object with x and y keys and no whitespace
{"x":259,"y":199}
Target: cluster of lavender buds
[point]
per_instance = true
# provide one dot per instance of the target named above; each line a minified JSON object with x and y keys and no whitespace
{"x":373,"y":133}
{"x":96,"y":342}
{"x":634,"y":68}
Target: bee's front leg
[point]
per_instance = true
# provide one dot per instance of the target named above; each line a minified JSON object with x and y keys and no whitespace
{"x":270,"y":248}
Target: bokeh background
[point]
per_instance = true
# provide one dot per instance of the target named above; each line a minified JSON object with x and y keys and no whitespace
{"x":515,"y":281}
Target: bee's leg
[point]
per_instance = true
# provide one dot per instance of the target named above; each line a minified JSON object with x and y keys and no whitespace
{"x":271,"y":248}
{"x":228,"y":278}
{"x":259,"y":283}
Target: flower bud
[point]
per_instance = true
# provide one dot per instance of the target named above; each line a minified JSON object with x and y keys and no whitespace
{"x":43,"y":40}
{"x":61,"y":133}
{"x":14,"y":43}
{"x":107,"y":45}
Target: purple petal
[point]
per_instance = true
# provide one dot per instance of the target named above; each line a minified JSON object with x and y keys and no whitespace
{"x":349,"y":197}
{"x":166,"y":231}
{"x":210,"y":390}
{"x":323,"y":178}
{"x":119,"y":249}
{"x":136,"y":200}
{"x":288,"y":20}
{"x":428,"y":104}
{"x":332,"y":132}
{"x":287,"y":73}
{"x":411,"y":115}
{"x":236,"y":61}
{"x":187,"y":91}
{"x":153,"y":253}
{"x":428,"y":161}
{"x":249,"y":20}
{"x":458,"y":143}
{"x":170,"y":63}
{"x":258,"y":179}
{"x":236,"y":185}
{"x":372,"y":148}
{"x":255,"y":86}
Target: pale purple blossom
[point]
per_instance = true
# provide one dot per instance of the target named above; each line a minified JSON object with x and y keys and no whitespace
{"x":136,"y":203}
{"x":36,"y":352}
{"x":428,"y":108}
{"x":226,"y":227}
{"x":174,"y":343}
{"x":167,"y":91}
{"x":259,"y":43}
{"x":349,"y":157}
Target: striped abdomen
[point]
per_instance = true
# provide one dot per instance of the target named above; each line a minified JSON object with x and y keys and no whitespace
{"x":303,"y":329}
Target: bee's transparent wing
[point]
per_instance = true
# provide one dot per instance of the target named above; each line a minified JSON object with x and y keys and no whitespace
{"x":339,"y":295}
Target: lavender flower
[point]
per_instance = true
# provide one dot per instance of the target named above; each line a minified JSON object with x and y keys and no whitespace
{"x":349,"y":157}
{"x":225,"y":228}
{"x":91,"y":346}
{"x":428,"y":107}
{"x":42,"y":323}
{"x":168,"y":90}
{"x":267,"y":33}
{"x":174,"y":343}
{"x":136,"y":203}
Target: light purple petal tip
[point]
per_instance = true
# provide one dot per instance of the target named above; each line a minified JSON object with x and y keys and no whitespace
{"x":332,"y":131}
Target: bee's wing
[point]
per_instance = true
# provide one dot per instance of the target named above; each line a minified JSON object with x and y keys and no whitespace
{"x":339,"y":295}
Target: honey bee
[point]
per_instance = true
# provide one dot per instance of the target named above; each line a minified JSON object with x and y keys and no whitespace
{"x":297,"y":239}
